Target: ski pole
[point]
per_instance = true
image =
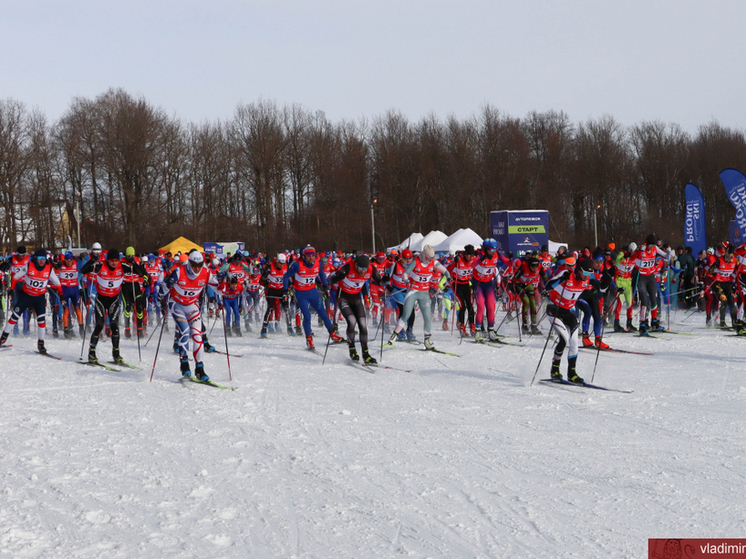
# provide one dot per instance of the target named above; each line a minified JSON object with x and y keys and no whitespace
{"x":135,"y":317}
{"x":158,"y":347}
{"x":383,"y":330}
{"x":87,"y":317}
{"x":546,"y":343}
{"x":227,"y":354}
{"x":603,"y":327}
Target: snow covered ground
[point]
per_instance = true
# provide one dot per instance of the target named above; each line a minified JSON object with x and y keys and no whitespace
{"x":458,"y":458}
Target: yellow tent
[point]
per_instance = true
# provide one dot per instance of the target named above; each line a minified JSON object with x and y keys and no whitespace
{"x":182,"y":245}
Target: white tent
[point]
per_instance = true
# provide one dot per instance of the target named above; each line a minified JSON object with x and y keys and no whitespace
{"x":459,"y":240}
{"x":432,"y":238}
{"x":407,"y":243}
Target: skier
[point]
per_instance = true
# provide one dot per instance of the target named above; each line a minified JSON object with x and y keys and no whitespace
{"x":231,"y":291}
{"x":31,"y":289}
{"x":181,"y":292}
{"x":377,"y":291}
{"x":724,"y":272}
{"x":564,"y":290}
{"x":352,"y":279}
{"x":591,"y":302}
{"x":398,"y":287}
{"x":275,"y":293}
{"x":70,"y":280}
{"x":153,"y":267}
{"x":647,"y":288}
{"x":418,"y":273}
{"x":461,"y":272}
{"x":237,"y":268}
{"x":108,"y":276}
{"x":133,"y":295}
{"x":526,"y":283}
{"x":624,"y":270}
{"x":18,"y":262}
{"x":253,"y":294}
{"x":304,"y":273}
{"x":485,"y":279}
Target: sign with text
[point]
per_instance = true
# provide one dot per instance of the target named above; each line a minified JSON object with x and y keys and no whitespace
{"x":660,"y":548}
{"x":694,"y":221}
{"x":520,"y":231}
{"x":222,"y":250}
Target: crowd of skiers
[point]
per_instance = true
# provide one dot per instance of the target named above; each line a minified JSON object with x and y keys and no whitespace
{"x":573,"y":292}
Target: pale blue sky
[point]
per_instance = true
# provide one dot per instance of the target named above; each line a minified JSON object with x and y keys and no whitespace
{"x":676,"y":61}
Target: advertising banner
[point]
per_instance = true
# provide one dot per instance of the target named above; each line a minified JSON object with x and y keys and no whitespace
{"x":694,"y":222}
{"x":520,"y":231}
{"x":221,"y":250}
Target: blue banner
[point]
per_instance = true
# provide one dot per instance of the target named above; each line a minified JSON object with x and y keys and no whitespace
{"x":520,"y":231}
{"x":694,"y":223}
{"x":735,"y":188}
{"x":222,"y":250}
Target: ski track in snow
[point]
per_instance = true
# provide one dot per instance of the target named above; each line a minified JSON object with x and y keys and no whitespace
{"x":459,"y":458}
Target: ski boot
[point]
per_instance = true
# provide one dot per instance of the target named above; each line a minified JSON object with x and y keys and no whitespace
{"x":92,"y":355}
{"x":535,"y":330}
{"x":395,"y":337}
{"x":3,"y":338}
{"x":722,"y":323}
{"x":555,"y":371}
{"x":600,"y":343}
{"x":68,"y":333}
{"x":353,"y":352}
{"x":176,"y":347}
{"x":572,"y":375}
{"x":368,"y":359}
{"x":708,"y":321}
{"x":237,"y":331}
{"x":630,"y":326}
{"x":525,"y":329}
{"x":587,"y":340}
{"x":445,"y":325}
{"x":228,"y":332}
{"x":127,"y":333}
{"x":40,"y":347}
{"x":209,"y":348}
{"x":309,"y":342}
{"x":473,"y":330}
{"x":656,"y":326}
{"x":270,"y":327}
{"x":184,"y":365}
{"x":298,"y":331}
{"x":478,"y":334}
{"x":411,"y":338}
{"x":199,"y":372}
{"x":336,"y":338}
{"x":493,"y":335}
{"x":644,"y":328}
{"x":81,"y":330}
{"x":428,"y":342}
{"x":55,"y":333}
{"x":401,"y":336}
{"x":618,"y":326}
{"x":263,"y":333}
{"x":116,"y":357}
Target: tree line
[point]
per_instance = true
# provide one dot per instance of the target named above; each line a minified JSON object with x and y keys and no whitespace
{"x":124,"y":173}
